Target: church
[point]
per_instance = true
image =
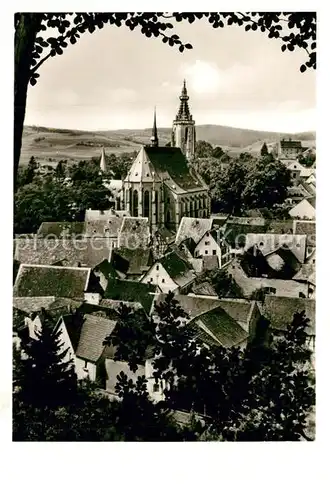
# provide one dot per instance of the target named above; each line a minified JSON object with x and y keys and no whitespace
{"x":161,"y":184}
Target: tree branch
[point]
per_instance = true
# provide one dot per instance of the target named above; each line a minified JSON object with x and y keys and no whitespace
{"x":34,"y":69}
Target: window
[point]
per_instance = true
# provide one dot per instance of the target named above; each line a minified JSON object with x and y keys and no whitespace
{"x":196,"y":253}
{"x":157,"y":267}
{"x":156,"y":388}
{"x":302,"y":295}
{"x":207,"y":242}
{"x":214,"y":252}
{"x":151,"y":280}
{"x":298,"y":245}
{"x":206,"y":252}
{"x":163,"y":280}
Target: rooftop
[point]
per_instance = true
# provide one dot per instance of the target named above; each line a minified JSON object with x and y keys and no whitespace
{"x":216,"y":327}
{"x":62,"y":251}
{"x":131,"y":291}
{"x":280,"y":310}
{"x":131,"y":261}
{"x":55,"y":281}
{"x":61,"y":229}
{"x":179,"y":269}
{"x":193,"y":228}
{"x":134,"y":232}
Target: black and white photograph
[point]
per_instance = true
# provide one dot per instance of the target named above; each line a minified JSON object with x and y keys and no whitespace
{"x":164,"y":227}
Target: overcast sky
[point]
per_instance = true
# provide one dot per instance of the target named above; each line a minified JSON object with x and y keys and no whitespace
{"x":113,"y":78}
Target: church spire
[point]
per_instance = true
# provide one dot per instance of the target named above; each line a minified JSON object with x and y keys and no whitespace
{"x":184,"y":112}
{"x":103,"y":165}
{"x":154,"y":135}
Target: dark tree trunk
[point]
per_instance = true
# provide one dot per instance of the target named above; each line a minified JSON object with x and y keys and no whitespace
{"x":26,"y":28}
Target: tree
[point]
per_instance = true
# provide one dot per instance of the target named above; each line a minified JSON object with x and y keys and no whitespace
{"x":31,"y":45}
{"x":264,"y":150}
{"x":47,"y":377}
{"x":87,"y":189}
{"x":282,"y":392}
{"x":28,"y":174}
{"x":203,"y":149}
{"x":133,"y":335}
{"x":218,"y":152}
{"x":266,"y":184}
{"x":227,"y":188}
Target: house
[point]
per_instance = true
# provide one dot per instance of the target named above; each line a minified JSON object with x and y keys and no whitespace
{"x":307,"y":227}
{"x":130,"y":263}
{"x":268,"y":242}
{"x":57,"y":281}
{"x":192,"y":228}
{"x":134,"y":233}
{"x":71,"y":252}
{"x":305,"y":209}
{"x":83,"y":336}
{"x":252,"y":285}
{"x":205,"y":289}
{"x":234,"y":234}
{"x":217,"y":328}
{"x":226,"y":322}
{"x":114,"y":368}
{"x":61,"y":229}
{"x":288,"y":149}
{"x":171,"y":272}
{"x":280,"y":311}
{"x":213,"y":243}
{"x":131,"y":291}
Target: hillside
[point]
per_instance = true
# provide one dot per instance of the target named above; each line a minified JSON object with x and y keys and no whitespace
{"x":49,"y":145}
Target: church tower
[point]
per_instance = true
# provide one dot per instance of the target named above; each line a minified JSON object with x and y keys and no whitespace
{"x":183,"y":130}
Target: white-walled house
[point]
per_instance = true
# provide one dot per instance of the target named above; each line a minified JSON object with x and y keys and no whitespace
{"x":84,"y":339}
{"x":213,"y":244}
{"x":170,"y":273}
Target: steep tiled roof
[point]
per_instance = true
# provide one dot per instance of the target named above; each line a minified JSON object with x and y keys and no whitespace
{"x":106,"y":227}
{"x":179,"y":269}
{"x":70,"y":252}
{"x":269,"y":242}
{"x":134,"y":232}
{"x":279,"y":226}
{"x":235,"y":234}
{"x":93,"y":332}
{"x":40,"y":281}
{"x":131,"y":291}
{"x":280,"y":310}
{"x":220,"y":328}
{"x":192,"y":305}
{"x":129,"y":261}
{"x":306,"y":273}
{"x":61,"y":229}
{"x":32,"y":304}
{"x":92,"y":215}
{"x":171,"y":162}
{"x":142,"y":169}
{"x":193,"y":228}
{"x":205,"y":288}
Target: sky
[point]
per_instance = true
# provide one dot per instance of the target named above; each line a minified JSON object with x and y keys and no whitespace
{"x":113,"y":79}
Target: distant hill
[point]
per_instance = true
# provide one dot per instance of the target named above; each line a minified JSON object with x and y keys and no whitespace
{"x":49,"y":145}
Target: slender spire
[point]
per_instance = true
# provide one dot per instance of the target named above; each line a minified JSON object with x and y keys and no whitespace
{"x":154,"y":135}
{"x":103,"y":165}
{"x":184,"y":112}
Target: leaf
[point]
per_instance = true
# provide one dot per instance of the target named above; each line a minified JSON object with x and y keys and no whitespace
{"x":283,"y":48}
{"x":181,"y":48}
{"x":33,"y":81}
{"x":188,"y":46}
{"x":303,"y":68}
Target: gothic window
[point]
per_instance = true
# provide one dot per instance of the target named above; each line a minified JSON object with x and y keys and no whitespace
{"x":135,"y":203}
{"x":146,"y":206}
{"x":186,"y":135}
{"x":191,"y":208}
{"x":127,"y":195}
{"x":156,"y":206}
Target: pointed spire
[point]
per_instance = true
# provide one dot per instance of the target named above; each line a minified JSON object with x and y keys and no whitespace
{"x":103,"y":165}
{"x":184,"y":112}
{"x":154,"y":135}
